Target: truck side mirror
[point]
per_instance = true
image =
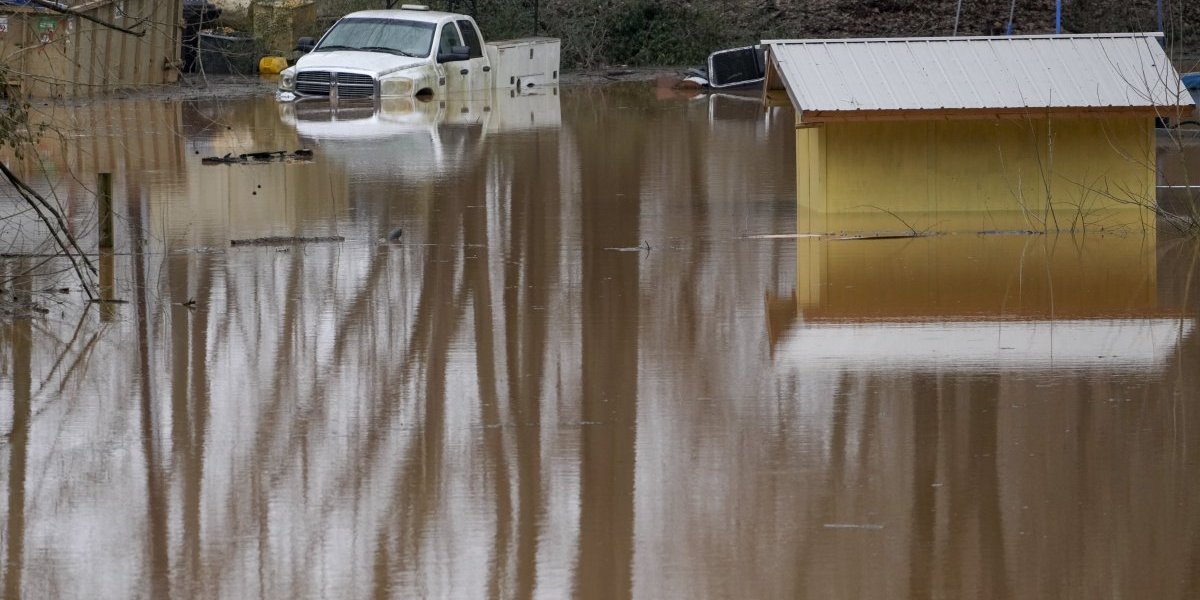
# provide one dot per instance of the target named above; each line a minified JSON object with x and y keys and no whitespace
{"x":455,"y":54}
{"x":305,"y":44}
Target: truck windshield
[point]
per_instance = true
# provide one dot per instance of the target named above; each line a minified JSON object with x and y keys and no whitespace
{"x":406,"y":38}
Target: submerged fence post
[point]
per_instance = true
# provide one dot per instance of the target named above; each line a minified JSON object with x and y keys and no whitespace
{"x":107,"y":288}
{"x":104,"y":206}
{"x":104,"y":194}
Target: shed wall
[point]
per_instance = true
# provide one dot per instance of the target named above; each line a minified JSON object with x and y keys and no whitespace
{"x":1036,"y":174}
{"x":56,"y":55}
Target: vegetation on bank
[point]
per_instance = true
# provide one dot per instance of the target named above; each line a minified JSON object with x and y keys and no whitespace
{"x":673,"y":32}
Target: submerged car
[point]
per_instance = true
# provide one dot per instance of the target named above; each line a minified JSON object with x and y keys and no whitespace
{"x":414,"y":51}
{"x":731,"y":69}
{"x":1191,"y":81}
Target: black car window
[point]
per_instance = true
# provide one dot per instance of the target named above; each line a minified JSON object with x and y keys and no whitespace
{"x":471,"y":37}
{"x":449,"y":39}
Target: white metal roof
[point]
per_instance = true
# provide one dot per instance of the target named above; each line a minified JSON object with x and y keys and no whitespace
{"x":855,"y":78}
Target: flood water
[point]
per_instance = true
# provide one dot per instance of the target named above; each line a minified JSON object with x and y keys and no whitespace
{"x":594,"y":365}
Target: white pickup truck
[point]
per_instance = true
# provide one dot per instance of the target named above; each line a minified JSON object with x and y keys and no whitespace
{"x":413,"y":51}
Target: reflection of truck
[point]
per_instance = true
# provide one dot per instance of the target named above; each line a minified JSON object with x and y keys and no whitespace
{"x":415,"y":138}
{"x":413,"y":52}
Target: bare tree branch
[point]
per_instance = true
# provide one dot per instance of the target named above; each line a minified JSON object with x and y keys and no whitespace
{"x":57,"y":228}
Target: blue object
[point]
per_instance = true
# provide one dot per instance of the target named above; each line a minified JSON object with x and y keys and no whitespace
{"x":1057,"y":16}
{"x":62,"y":5}
{"x":1191,"y":81}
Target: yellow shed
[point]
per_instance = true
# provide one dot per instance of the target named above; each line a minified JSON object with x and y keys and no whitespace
{"x":1040,"y":133}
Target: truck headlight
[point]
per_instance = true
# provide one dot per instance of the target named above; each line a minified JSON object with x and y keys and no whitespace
{"x":287,"y":80}
{"x":397,"y":86}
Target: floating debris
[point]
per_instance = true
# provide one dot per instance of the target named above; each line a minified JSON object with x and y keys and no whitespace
{"x":258,"y":157}
{"x":870,"y":526}
{"x":286,"y":240}
{"x":883,"y":236}
{"x":645,"y":247}
{"x":1010,"y":232}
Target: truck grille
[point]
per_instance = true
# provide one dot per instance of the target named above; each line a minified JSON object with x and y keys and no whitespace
{"x":350,"y":85}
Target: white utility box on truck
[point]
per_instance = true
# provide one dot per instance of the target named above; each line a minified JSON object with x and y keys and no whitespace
{"x":524,"y":62}
{"x":414,"y":51}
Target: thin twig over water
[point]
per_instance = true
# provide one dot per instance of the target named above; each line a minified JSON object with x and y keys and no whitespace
{"x":57,"y":228}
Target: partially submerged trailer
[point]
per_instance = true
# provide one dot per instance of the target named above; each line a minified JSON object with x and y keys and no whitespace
{"x":414,"y":51}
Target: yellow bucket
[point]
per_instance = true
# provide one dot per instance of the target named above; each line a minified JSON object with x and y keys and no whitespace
{"x":272,"y":65}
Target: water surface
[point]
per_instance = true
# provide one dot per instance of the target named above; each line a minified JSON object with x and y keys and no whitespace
{"x":587,"y":369}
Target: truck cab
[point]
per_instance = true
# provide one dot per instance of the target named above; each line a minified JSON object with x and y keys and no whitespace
{"x":414,"y":51}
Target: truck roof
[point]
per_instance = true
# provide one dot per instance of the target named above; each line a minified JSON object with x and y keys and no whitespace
{"x":427,"y":16}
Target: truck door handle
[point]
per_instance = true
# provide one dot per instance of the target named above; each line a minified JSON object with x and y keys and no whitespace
{"x":463,"y":72}
{"x":486,"y":69}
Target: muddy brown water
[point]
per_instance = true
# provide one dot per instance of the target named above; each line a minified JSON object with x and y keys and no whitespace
{"x":586,"y":369}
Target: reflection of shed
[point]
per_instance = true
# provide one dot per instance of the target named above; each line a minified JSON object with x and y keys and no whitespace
{"x":1038,"y":132}
{"x":976,"y":302}
{"x":969,"y":278}
{"x":51,"y":54}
